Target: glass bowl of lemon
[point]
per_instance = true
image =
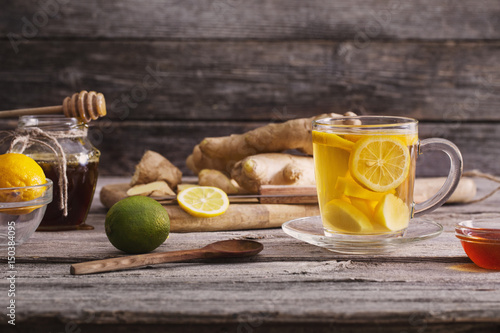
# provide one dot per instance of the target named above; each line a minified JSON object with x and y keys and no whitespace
{"x":25,"y":193}
{"x":19,"y":218}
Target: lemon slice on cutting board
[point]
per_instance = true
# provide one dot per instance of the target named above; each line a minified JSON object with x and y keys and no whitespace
{"x":203,"y":201}
{"x":380,"y":163}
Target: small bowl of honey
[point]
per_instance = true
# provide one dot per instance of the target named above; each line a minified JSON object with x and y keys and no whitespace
{"x":21,"y":211}
{"x":481,"y":241}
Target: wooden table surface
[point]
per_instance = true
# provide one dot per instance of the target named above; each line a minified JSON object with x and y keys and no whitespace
{"x":290,"y":287}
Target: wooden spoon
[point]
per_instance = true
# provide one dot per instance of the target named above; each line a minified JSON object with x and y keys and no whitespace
{"x":222,"y":249}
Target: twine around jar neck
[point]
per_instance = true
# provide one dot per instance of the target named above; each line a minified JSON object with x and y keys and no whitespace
{"x":28,"y":136}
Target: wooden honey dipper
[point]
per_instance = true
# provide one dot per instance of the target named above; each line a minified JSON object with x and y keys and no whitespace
{"x":84,"y":105}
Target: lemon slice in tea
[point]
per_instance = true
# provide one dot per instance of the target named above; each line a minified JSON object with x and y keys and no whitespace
{"x":331,"y":139}
{"x":380,"y":163}
{"x":203,"y":201}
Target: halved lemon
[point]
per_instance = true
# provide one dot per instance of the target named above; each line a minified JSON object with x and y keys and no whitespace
{"x":380,"y":163}
{"x":203,"y":201}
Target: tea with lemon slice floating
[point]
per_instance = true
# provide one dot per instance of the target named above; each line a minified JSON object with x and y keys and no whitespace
{"x":364,"y":176}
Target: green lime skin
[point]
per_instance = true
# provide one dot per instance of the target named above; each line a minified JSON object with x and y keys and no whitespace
{"x":137,"y":224}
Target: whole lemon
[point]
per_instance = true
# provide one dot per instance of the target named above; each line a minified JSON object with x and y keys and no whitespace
{"x":19,"y":170}
{"x":137,"y":224}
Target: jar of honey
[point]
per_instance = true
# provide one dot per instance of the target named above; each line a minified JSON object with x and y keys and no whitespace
{"x":61,"y":147}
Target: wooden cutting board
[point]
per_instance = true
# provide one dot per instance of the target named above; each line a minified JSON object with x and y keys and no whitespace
{"x":254,"y":215}
{"x":237,"y":217}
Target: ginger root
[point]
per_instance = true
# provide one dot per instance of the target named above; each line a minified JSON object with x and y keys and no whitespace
{"x":273,"y":169}
{"x":154,"y":189}
{"x":222,"y":153}
{"x":154,"y":167}
{"x":198,"y":161}
{"x":210,"y":177}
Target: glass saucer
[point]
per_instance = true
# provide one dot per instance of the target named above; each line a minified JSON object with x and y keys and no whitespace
{"x":310,"y":230}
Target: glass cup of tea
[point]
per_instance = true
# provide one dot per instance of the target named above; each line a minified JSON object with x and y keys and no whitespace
{"x":365,"y":172}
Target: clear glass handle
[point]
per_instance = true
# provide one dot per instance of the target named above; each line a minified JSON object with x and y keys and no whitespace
{"x":451,"y":182}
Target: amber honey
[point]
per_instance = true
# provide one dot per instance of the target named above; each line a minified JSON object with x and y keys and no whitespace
{"x":485,"y":254}
{"x":481,"y":242}
{"x":82,"y":179}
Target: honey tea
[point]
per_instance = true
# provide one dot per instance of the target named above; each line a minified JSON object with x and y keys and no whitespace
{"x":365,"y":179}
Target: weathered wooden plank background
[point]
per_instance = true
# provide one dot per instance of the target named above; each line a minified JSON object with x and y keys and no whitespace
{"x":175,"y":71}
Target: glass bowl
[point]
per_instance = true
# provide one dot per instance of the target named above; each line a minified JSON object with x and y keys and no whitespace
{"x":19,"y":219}
{"x":481,"y":241}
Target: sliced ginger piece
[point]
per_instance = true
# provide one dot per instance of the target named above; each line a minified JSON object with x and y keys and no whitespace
{"x":366,"y":206}
{"x":154,"y":189}
{"x":392,"y":213}
{"x":341,"y":216}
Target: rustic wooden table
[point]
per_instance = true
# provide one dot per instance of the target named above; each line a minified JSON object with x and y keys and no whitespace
{"x":291,"y":286}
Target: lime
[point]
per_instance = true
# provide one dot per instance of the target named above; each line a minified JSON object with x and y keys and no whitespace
{"x":137,"y":224}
